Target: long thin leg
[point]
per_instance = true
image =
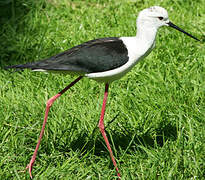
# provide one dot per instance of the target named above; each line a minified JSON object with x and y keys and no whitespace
{"x":102,"y":129}
{"x":48,"y":105}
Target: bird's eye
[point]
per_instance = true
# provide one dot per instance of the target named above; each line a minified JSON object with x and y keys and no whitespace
{"x":160,"y":18}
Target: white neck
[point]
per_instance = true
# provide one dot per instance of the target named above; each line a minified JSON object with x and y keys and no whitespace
{"x":147,"y":34}
{"x":138,"y":47}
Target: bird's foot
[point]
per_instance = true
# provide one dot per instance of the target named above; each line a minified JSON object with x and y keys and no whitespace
{"x":29,"y":167}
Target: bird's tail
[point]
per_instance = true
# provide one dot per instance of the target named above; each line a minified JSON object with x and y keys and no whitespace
{"x":19,"y":66}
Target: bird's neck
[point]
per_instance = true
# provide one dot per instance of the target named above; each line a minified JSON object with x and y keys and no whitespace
{"x":147,"y":35}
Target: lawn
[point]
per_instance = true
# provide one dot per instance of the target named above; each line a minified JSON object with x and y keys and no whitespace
{"x":155,"y":116}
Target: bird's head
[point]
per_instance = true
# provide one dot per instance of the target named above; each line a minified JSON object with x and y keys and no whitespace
{"x":155,"y":17}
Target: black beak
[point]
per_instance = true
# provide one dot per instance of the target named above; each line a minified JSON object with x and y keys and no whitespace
{"x":179,"y":29}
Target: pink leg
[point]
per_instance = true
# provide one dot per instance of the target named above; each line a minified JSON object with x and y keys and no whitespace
{"x":48,"y":105}
{"x":102,"y":129}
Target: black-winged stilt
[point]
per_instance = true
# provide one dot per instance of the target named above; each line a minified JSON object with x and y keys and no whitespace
{"x":104,"y":60}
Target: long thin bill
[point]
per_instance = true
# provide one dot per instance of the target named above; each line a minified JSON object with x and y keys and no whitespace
{"x":179,"y":29}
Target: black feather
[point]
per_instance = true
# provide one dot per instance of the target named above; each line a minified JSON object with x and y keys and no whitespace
{"x":93,"y":56}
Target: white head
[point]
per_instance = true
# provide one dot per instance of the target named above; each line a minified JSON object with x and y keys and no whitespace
{"x":155,"y":17}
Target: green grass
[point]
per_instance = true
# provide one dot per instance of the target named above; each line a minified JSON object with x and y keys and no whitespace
{"x":159,"y":107}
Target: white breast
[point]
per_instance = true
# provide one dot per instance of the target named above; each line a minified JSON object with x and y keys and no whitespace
{"x":136,"y":51}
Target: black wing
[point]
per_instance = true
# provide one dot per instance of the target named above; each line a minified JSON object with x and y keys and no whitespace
{"x":93,"y":56}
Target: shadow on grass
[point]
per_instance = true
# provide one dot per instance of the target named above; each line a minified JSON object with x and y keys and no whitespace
{"x":13,"y":22}
{"x":130,"y":141}
{"x":11,"y":12}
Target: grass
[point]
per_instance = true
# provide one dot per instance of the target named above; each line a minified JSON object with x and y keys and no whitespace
{"x":159,"y":107}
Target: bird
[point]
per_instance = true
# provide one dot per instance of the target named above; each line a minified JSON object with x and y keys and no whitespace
{"x":104,"y":60}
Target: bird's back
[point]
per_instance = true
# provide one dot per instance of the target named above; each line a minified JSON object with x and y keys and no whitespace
{"x":97,"y":55}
